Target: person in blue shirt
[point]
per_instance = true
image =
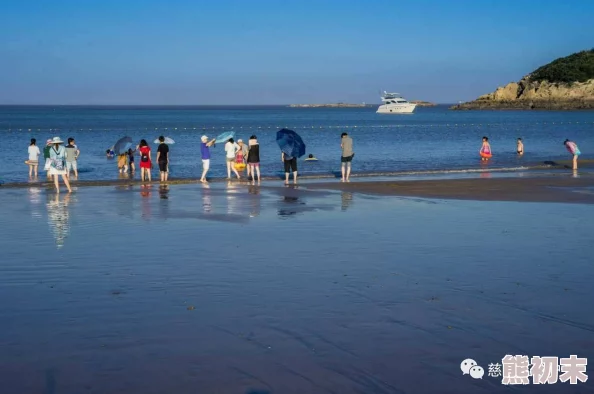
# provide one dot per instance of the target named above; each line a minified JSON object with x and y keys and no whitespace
{"x":205,"y":152}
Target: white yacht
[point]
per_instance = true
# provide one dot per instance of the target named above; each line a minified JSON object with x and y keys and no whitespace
{"x":395,"y":104}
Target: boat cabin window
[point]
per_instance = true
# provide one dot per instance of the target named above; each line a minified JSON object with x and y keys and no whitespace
{"x":401,"y":101}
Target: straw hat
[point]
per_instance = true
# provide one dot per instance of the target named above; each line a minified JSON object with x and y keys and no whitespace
{"x":56,"y":140}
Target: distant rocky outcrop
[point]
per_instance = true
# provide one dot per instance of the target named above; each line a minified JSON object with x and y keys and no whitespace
{"x":420,"y":103}
{"x":564,"y":84}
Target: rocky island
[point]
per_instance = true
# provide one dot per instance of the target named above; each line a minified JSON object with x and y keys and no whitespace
{"x":564,"y":84}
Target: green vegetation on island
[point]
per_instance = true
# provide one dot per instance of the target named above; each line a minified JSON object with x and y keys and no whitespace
{"x":566,"y":83}
{"x":578,"y":67}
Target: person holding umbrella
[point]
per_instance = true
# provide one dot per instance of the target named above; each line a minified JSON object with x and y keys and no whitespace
{"x":205,"y":152}
{"x":292,"y":147}
{"x":58,"y":163}
{"x":145,"y":160}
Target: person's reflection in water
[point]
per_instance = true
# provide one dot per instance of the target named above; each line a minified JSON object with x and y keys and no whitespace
{"x":35,"y":200}
{"x":164,"y":201}
{"x":289,"y":211}
{"x":206,"y":200}
{"x":346,"y":199}
{"x":58,"y":217}
{"x":485,"y":175}
{"x":232,"y":199}
{"x":145,"y":192}
{"x":255,"y":200}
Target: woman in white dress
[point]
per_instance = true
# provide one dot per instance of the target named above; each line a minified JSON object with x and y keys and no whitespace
{"x":58,"y":163}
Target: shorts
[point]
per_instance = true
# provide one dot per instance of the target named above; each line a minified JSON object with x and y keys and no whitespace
{"x":230,"y":159}
{"x":206,"y":164}
{"x":163,"y":166}
{"x":71,"y":166}
{"x":347,"y":159}
{"x":577,"y":153}
{"x":254,"y":164}
{"x":33,"y":162}
{"x":291,"y":165}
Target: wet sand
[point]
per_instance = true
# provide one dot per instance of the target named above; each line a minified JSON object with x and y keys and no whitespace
{"x":245,"y":289}
{"x":530,"y":189}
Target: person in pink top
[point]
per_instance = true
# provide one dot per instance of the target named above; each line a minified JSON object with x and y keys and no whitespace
{"x":574,"y":150}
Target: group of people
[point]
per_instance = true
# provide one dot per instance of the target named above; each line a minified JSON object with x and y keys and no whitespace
{"x":572,"y":148}
{"x":61,"y":160}
{"x":126,"y":160}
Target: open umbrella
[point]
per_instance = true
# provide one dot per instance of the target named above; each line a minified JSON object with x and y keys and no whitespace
{"x":168,"y":141}
{"x":290,"y":143}
{"x":122,"y":145}
{"x":224,"y":137}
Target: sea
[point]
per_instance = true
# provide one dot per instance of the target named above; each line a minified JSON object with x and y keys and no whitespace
{"x":432,"y":140}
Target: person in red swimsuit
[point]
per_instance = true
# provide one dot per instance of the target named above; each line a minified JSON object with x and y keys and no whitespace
{"x":145,"y":160}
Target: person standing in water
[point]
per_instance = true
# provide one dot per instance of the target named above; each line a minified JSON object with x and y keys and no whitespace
{"x":131,"y":159}
{"x":243,"y":153}
{"x":145,"y":161}
{"x":163,"y":158}
{"x":205,"y":152}
{"x":231,"y":149}
{"x":346,"y":144}
{"x":72,"y":153}
{"x":290,"y":163}
{"x":58,"y":164}
{"x":520,"y":147}
{"x":253,"y":157}
{"x":33,"y":161}
{"x":46,"y":157}
{"x":485,"y":151}
{"x":574,"y":150}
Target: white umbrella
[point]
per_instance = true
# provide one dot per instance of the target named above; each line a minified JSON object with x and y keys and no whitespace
{"x":168,"y":141}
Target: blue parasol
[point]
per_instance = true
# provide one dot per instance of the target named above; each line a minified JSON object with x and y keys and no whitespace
{"x":290,"y":143}
{"x":224,"y":137}
{"x":122,"y":145}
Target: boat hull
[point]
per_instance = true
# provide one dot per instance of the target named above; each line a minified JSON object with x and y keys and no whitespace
{"x":396,"y":108}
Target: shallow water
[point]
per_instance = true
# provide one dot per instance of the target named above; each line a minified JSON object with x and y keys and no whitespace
{"x":280,"y":290}
{"x":431,"y":139}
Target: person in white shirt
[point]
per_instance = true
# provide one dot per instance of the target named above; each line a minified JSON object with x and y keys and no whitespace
{"x":231,"y":149}
{"x":33,"y":161}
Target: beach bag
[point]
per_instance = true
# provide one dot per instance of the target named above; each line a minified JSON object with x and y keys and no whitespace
{"x":58,"y":164}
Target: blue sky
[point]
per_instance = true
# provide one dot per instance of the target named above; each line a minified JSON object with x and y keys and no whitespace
{"x":277,"y":52}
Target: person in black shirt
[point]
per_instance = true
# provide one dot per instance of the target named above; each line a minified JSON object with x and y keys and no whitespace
{"x":163,"y":158}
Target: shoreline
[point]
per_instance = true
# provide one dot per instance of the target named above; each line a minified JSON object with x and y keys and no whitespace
{"x":549,"y":188}
{"x":532,"y":167}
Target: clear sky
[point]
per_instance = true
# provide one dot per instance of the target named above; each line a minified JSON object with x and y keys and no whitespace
{"x":277,"y":52}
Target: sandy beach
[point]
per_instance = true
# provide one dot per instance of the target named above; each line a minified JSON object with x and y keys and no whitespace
{"x":322,"y":288}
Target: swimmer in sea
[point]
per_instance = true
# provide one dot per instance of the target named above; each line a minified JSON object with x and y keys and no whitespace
{"x":520,"y":147}
{"x":485,"y":151}
{"x":311,"y":158}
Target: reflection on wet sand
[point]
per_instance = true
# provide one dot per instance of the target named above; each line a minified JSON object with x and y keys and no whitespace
{"x":58,"y":217}
{"x":289,"y":206}
{"x":233,"y":200}
{"x":145,"y":192}
{"x":164,"y":201}
{"x":346,"y":199}
{"x":34,"y":194}
{"x":206,"y":198}
{"x":255,"y":199}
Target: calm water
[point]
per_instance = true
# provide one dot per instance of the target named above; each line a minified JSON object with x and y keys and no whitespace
{"x":131,"y":290}
{"x":432,"y":139}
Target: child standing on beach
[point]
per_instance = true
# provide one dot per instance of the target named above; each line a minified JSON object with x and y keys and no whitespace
{"x":574,"y":150}
{"x":33,"y":161}
{"x":485,"y":151}
{"x":131,"y":159}
{"x":122,"y":163}
{"x":520,"y":147}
